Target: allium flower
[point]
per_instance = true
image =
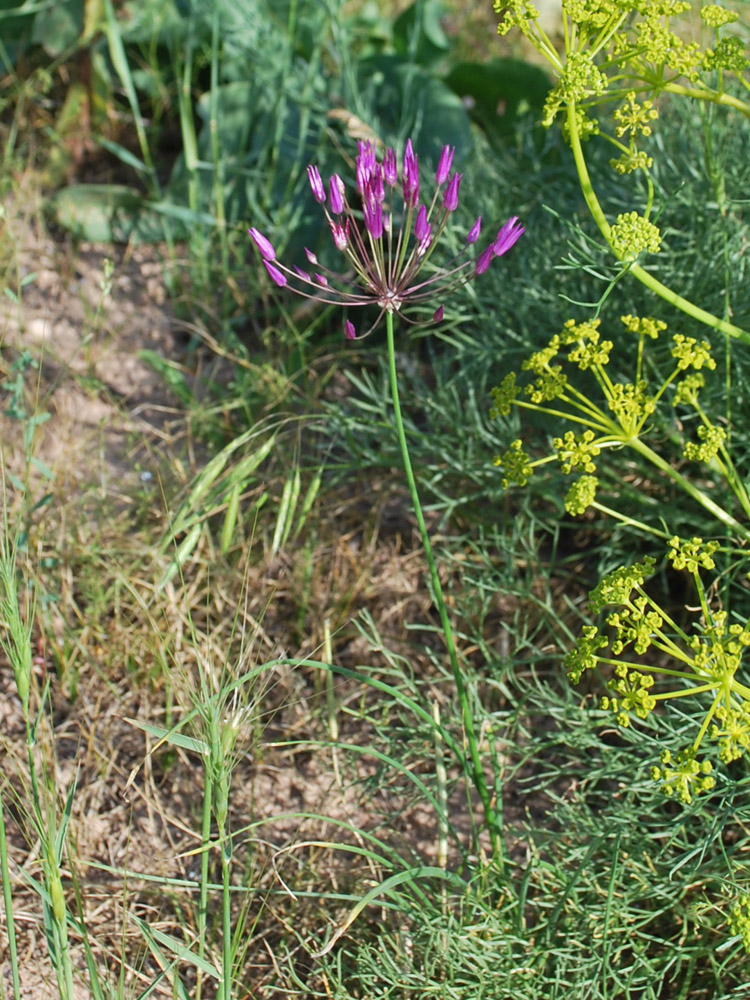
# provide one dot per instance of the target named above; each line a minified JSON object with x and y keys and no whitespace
{"x":389,"y":241}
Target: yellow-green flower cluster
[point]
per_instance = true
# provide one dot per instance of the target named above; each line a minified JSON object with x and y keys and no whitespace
{"x":711,"y":437}
{"x":504,"y":396}
{"x":728,"y":53}
{"x":630,"y":404}
{"x":632,"y":235}
{"x":617,"y":586}
{"x":717,"y":653}
{"x":628,"y":163}
{"x":516,"y":14}
{"x":644,"y":326}
{"x":583,"y":656}
{"x":634,"y":625}
{"x":739,"y":920}
{"x":732,"y":732}
{"x":691,"y":354}
{"x":577,"y":451}
{"x":593,"y":353}
{"x":716,"y":16}
{"x":630,"y":693}
{"x":633,"y":118}
{"x":515,"y":465}
{"x":683,"y":775}
{"x":692,"y":555}
{"x":595,"y":13}
{"x":549,"y":385}
{"x":581,"y":495}
{"x":687,"y":389}
{"x":581,"y":78}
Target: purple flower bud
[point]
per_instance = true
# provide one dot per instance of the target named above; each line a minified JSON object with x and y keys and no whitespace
{"x":474,"y":231}
{"x":508,"y":236}
{"x":267,"y":252}
{"x":372,"y":212}
{"x":311,"y":256}
{"x":375,"y":187}
{"x":276,"y":274}
{"x":319,"y":192}
{"x":450,"y":198}
{"x":422,"y":228}
{"x":410,"y":176}
{"x":340,"y":234}
{"x":321,"y":279}
{"x":483,"y":260}
{"x":444,"y":166}
{"x":302,"y":274}
{"x":438,"y":315}
{"x":365,"y":164}
{"x":335,"y":194}
{"x":390,"y":167}
{"x":349,"y":332}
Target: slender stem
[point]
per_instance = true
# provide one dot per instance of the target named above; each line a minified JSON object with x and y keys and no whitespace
{"x":8,"y":904}
{"x":587,"y":188}
{"x":705,"y":501}
{"x":203,"y":898}
{"x":477,"y":773}
{"x":225,"y":846}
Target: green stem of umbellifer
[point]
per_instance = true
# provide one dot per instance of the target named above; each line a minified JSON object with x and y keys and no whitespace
{"x":587,"y":188}
{"x":475,"y":767}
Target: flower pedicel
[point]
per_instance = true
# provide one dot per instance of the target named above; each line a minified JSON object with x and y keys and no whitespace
{"x":387,"y":249}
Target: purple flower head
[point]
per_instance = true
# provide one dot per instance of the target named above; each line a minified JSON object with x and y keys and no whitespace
{"x":450,"y":198}
{"x":319,"y":192}
{"x":267,"y":252}
{"x":508,"y":236}
{"x":444,"y":166}
{"x":474,"y":231}
{"x":389,"y":241}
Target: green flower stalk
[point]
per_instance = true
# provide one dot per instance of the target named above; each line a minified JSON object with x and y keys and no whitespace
{"x":388,"y":252}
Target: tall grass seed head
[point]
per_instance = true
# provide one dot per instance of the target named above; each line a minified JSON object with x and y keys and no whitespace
{"x":386,"y":244}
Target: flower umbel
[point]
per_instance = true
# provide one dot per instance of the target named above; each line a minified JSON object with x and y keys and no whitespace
{"x":387,"y":244}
